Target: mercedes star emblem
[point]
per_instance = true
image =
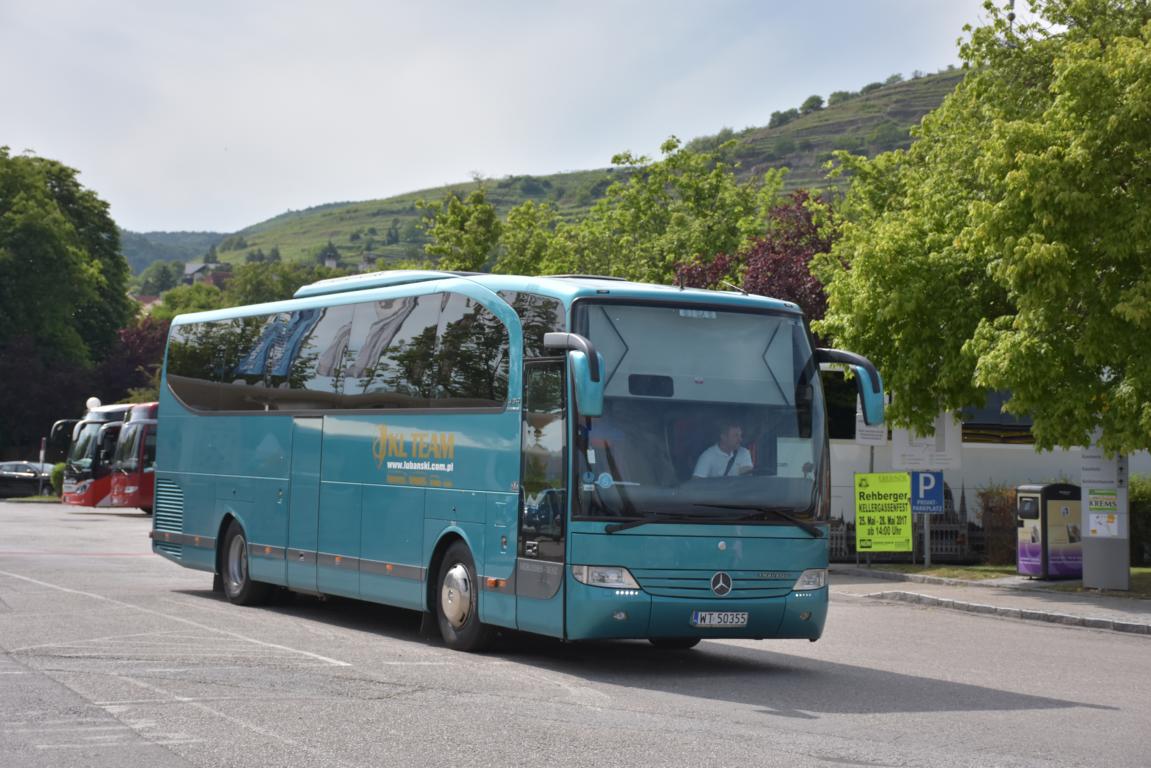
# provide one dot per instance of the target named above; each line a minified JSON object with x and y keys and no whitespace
{"x":721,"y":583}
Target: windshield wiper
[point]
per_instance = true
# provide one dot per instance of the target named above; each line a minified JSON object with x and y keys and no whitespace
{"x":761,"y":511}
{"x":652,"y":518}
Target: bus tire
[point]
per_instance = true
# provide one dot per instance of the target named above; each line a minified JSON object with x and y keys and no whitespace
{"x":457,"y":602}
{"x":674,"y":643}
{"x":238,"y":585}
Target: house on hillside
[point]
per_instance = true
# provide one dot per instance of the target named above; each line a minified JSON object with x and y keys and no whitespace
{"x":195,"y":273}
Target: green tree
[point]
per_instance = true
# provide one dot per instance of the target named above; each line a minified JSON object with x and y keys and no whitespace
{"x":1008,"y":248}
{"x":63,"y":280}
{"x":159,"y":276}
{"x":527,"y":236}
{"x":272,"y":281}
{"x":811,"y":104}
{"x":463,"y":233}
{"x":188,"y":298}
{"x":686,"y":205}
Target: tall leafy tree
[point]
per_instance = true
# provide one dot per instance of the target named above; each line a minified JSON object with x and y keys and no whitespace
{"x":159,"y":276}
{"x":63,"y":284}
{"x":464,"y":233}
{"x":528,"y":233}
{"x":63,"y":279}
{"x":188,"y":298}
{"x":778,"y":263}
{"x":688,"y":204}
{"x":272,"y":281}
{"x":1008,"y":248}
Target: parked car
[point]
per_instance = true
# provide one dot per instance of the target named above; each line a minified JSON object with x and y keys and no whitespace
{"x":24,"y":478}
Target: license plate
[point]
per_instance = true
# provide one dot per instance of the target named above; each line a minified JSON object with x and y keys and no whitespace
{"x":719,"y":618}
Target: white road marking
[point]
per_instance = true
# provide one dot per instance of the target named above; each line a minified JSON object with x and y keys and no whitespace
{"x":189,"y":622}
{"x":176,"y":698}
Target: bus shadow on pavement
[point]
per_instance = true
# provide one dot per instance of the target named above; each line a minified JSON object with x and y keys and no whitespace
{"x":347,"y":613}
{"x":777,"y":683}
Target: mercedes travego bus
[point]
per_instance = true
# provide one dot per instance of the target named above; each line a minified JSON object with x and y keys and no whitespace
{"x":134,"y":459}
{"x":574,"y":456}
{"x":90,"y":443}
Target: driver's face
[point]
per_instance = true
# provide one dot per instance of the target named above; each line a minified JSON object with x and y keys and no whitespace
{"x":730,"y":439}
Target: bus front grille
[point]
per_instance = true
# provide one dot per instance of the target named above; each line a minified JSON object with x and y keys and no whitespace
{"x":697,"y":584}
{"x":168,"y":514}
{"x":175,"y":551}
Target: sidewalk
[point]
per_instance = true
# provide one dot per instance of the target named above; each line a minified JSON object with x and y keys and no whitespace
{"x":1014,"y":597}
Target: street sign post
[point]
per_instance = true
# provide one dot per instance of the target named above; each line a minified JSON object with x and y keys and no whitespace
{"x":926,"y":500}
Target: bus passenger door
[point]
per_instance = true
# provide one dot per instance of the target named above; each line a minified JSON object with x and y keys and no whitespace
{"x":543,"y":501}
{"x":304,"y":503}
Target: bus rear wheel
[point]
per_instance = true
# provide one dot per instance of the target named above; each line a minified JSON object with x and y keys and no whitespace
{"x":674,"y":643}
{"x":457,"y":602}
{"x":238,"y":585}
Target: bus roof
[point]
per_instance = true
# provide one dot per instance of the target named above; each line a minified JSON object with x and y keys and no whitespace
{"x":566,"y":287}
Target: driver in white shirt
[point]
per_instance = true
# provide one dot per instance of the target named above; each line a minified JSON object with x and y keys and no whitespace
{"x":727,"y":458}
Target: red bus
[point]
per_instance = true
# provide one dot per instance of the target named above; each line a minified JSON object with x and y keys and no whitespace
{"x":87,"y":471}
{"x":134,"y":460}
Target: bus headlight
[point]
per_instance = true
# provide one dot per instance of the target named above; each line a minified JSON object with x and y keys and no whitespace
{"x":610,"y":576}
{"x":812,"y":578}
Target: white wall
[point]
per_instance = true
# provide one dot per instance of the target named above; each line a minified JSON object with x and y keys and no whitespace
{"x":984,"y":465}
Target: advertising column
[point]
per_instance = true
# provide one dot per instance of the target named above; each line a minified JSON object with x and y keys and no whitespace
{"x":1106,"y":529}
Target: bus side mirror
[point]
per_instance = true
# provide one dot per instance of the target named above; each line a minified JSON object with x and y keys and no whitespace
{"x":586,"y":367}
{"x":59,"y":440}
{"x":867,"y":381}
{"x":588,"y":391}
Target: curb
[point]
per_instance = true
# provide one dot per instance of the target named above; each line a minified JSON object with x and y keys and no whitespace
{"x":922,"y":579}
{"x":1014,"y":613}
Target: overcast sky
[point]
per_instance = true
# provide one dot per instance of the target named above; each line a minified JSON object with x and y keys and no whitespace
{"x":218,"y":114}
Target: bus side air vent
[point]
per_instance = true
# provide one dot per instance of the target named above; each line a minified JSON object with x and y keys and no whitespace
{"x":169,"y":509}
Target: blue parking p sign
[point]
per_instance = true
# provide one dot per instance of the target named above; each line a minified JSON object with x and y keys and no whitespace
{"x":927,"y":493}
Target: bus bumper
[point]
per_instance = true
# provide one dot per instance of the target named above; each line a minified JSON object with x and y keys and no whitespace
{"x":599,"y":613}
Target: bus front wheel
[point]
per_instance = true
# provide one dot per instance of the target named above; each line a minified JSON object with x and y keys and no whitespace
{"x":457,"y":602}
{"x":238,"y":585}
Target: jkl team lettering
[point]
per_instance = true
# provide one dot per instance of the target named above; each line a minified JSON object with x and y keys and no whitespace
{"x":392,"y":444}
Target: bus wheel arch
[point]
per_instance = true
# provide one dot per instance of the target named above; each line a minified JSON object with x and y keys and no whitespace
{"x":454,"y":596}
{"x":232,"y":566}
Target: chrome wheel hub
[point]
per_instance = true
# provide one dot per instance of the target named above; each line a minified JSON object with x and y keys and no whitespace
{"x":456,"y":596}
{"x":237,"y":573}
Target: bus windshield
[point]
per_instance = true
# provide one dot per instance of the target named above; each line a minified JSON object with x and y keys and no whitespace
{"x":83,"y":448}
{"x":710,"y":414}
{"x":125,"y":458}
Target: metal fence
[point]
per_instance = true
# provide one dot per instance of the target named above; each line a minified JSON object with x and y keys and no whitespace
{"x":951,"y":542}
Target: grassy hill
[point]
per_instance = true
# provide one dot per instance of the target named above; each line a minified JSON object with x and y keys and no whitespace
{"x":872,"y":121}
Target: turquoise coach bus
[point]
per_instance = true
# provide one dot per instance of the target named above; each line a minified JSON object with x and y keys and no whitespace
{"x":534,"y":453}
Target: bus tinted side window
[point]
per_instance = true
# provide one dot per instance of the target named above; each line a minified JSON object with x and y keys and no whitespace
{"x":324,"y":358}
{"x":470,"y":368}
{"x":430,"y":351}
{"x":191,"y":361}
{"x":393,"y":367}
{"x":539,"y":315}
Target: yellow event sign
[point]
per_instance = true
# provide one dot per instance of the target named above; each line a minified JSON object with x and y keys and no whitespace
{"x":883,"y":512}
